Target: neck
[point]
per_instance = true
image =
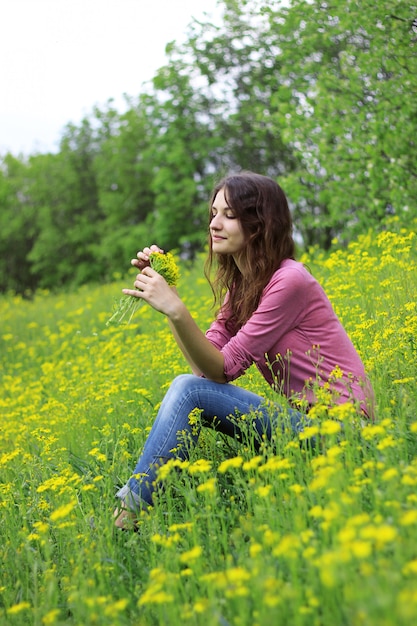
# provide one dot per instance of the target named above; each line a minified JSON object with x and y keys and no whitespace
{"x":239,"y":263}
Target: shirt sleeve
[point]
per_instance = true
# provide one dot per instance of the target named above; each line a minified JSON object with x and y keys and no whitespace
{"x":280,"y":310}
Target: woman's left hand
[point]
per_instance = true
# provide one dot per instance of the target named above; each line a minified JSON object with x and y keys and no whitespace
{"x":153,"y":288}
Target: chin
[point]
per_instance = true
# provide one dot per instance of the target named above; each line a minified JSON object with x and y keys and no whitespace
{"x":220,"y":249}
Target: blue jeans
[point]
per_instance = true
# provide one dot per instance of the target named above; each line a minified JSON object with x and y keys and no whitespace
{"x":218,"y":403}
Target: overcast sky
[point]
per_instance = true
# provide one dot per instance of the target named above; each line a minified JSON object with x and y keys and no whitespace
{"x":59,"y":58}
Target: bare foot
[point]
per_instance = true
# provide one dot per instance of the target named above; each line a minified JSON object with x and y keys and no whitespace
{"x":124,"y":518}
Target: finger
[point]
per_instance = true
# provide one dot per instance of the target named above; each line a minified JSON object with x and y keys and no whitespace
{"x":148,"y":272}
{"x":141,"y":261}
{"x":141,"y":281}
{"x":133,"y":292}
{"x":143,"y":255}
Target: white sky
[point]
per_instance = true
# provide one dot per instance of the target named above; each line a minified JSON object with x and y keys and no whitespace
{"x":59,"y":58}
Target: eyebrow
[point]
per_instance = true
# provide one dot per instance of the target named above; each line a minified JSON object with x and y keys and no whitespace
{"x":225,"y":208}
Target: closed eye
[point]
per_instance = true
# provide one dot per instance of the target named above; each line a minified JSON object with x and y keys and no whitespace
{"x":229,"y":214}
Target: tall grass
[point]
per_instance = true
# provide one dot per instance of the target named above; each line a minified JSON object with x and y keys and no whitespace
{"x":289,"y":535}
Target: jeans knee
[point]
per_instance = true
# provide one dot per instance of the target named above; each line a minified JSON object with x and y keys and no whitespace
{"x":183,"y":383}
{"x":189,"y":391}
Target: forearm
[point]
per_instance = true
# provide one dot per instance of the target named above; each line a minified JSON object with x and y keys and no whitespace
{"x":181,"y":346}
{"x":203,"y":357}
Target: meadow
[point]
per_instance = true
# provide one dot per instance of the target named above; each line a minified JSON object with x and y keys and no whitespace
{"x":293,"y":534}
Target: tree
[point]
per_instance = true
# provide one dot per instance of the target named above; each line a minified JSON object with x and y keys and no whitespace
{"x":124,"y":168}
{"x":241,"y":67}
{"x":351,"y":72}
{"x":319,"y":94}
{"x":63,"y":196}
{"x":183,"y":144}
{"x":17,"y":227}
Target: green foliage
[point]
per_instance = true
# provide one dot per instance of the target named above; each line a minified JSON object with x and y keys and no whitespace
{"x":241,"y":67}
{"x":350,"y":68}
{"x":123,"y":170}
{"x":18,"y":228}
{"x":320,"y":95}
{"x":183,"y":142}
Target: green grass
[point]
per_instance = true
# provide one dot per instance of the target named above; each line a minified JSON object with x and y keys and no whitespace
{"x":292,"y":535}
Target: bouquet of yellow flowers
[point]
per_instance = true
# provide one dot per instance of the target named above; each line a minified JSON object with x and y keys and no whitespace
{"x":164,"y":264}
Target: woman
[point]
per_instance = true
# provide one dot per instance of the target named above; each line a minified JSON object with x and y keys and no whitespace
{"x":274,"y":314}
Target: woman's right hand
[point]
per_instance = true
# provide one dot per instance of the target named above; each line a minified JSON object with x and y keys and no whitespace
{"x":142,"y":259}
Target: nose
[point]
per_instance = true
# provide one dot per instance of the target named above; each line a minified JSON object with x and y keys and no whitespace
{"x":215,"y":223}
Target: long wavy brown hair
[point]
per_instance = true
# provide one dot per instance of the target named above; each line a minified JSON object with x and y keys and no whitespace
{"x":262,"y":208}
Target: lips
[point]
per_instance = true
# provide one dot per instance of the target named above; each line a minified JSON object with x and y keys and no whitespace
{"x":217,"y":238}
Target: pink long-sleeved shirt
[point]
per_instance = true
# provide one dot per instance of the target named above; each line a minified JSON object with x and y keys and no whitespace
{"x":295,"y":339}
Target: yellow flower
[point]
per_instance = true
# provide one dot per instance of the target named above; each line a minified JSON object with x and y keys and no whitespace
{"x":18,"y":608}
{"x":308,"y":432}
{"x":62,"y":511}
{"x":165,"y":469}
{"x":382,"y":534}
{"x":316,"y":511}
{"x":230,"y":463}
{"x":237,"y":575}
{"x":346,"y":535}
{"x":410,"y":567}
{"x":330,"y":427}
{"x":41,"y":527}
{"x":321,"y":480}
{"x":208,"y":487}
{"x":361,"y":549}
{"x":255,"y":549}
{"x":343,"y":412}
{"x":95,"y":452}
{"x":50,"y":618}
{"x":409,"y":480}
{"x":263,"y":491}
{"x":201,"y":605}
{"x":252,"y":463}
{"x":181,"y":526}
{"x":288,"y":546}
{"x":372,"y":430}
{"x":166,"y":541}
{"x":191,"y":555}
{"x":275,"y":464}
{"x":387,"y":442}
{"x":272,"y":596}
{"x":155,"y":595}
{"x":164,"y":264}
{"x":87,"y":487}
{"x":390,"y":473}
{"x":409,"y":518}
{"x":200,"y":466}
{"x":113,"y":609}
{"x":336,"y":373}
{"x":194,"y":416}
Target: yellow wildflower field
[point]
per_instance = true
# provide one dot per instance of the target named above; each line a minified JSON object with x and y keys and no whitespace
{"x":294,"y":534}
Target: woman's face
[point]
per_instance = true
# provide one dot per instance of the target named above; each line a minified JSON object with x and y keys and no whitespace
{"x":226,"y":231}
